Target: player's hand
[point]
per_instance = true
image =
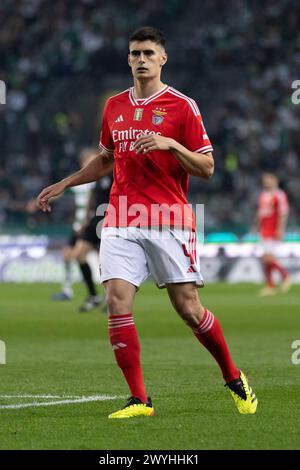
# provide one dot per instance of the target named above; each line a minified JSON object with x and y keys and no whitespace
{"x":147,"y":143}
{"x":48,"y":193}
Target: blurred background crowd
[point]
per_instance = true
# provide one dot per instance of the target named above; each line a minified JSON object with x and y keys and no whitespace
{"x":60,"y":59}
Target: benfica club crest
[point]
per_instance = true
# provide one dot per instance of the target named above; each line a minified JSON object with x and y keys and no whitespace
{"x":158,"y":116}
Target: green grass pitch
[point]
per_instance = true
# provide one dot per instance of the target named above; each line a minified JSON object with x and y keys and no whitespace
{"x":54,"y":351}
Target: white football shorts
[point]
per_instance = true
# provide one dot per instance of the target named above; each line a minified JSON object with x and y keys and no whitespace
{"x":133,"y":254}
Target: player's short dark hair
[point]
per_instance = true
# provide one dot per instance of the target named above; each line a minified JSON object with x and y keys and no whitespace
{"x":148,"y":33}
{"x":268,"y":172}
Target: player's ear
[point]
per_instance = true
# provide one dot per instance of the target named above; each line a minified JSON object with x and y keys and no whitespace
{"x":129,"y":60}
{"x":164,"y":59}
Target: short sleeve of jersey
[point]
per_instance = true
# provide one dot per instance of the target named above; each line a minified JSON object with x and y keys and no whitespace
{"x":193,"y":133}
{"x":106,"y":141}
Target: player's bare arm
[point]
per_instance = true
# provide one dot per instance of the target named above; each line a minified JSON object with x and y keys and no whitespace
{"x":100,"y":166}
{"x":282,"y":222}
{"x":196,"y":164}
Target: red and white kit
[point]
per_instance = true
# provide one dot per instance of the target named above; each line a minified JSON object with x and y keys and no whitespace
{"x":271,"y":206}
{"x":151,"y":182}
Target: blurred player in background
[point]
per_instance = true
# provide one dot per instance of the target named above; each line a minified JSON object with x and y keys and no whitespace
{"x":83,"y":239}
{"x":154,"y":137}
{"x":89,"y":241}
{"x":81,"y":196}
{"x":271,"y":218}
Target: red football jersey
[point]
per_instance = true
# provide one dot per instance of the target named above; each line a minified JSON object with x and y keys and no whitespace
{"x":271,"y":205}
{"x":153,"y":185}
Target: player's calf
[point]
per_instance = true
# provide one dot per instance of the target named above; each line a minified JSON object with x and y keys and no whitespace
{"x":185,"y":300}
{"x":205,"y":326}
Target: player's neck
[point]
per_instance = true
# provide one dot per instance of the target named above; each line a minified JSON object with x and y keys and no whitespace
{"x":144,"y":89}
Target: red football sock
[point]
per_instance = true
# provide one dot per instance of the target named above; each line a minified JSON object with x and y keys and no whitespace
{"x":268,"y":272}
{"x":209,"y":333}
{"x":277,"y":266}
{"x":125,"y":343}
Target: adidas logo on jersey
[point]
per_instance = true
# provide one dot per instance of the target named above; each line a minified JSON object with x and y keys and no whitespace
{"x":119,"y":118}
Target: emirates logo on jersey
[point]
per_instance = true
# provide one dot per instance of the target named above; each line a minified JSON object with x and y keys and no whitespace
{"x":158,"y":116}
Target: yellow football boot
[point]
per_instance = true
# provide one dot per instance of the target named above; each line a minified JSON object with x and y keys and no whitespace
{"x":243,"y":395}
{"x":267,"y":291}
{"x":134,"y":407}
{"x":286,"y":285}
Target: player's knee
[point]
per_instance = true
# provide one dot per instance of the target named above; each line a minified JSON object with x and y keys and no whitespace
{"x":118,"y":304}
{"x":79,"y":255}
{"x":268,"y":258}
{"x":81,"y":258}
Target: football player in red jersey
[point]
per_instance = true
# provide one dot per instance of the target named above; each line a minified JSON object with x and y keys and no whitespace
{"x":271,"y":217}
{"x":154,"y":138}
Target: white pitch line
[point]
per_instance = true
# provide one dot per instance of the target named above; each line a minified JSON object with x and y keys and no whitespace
{"x":60,"y":402}
{"x":39,"y":396}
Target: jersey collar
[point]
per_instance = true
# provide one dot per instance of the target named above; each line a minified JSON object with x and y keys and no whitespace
{"x":142,"y":102}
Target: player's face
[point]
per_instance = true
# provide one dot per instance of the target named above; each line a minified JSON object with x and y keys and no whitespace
{"x":269,"y":181}
{"x":146,"y":59}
